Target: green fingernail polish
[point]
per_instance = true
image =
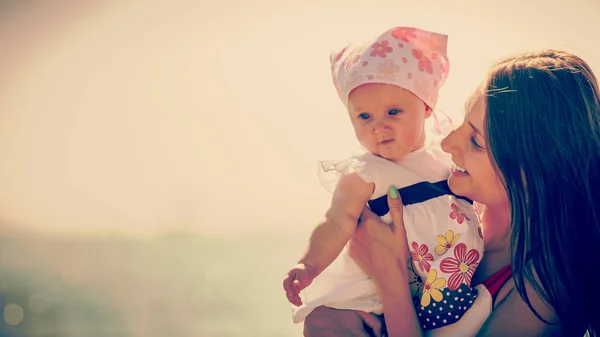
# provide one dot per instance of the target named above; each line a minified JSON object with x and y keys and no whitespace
{"x":393,"y":192}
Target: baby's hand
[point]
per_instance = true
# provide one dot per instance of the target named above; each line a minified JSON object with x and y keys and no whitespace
{"x":298,"y":278}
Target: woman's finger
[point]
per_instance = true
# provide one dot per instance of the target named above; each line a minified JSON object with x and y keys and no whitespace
{"x":396,"y":208}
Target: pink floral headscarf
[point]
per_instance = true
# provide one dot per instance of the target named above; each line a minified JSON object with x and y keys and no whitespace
{"x":410,"y":58}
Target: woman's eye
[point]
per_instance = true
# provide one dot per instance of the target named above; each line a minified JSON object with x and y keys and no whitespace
{"x":394,"y":112}
{"x":364,"y":115}
{"x":474,"y":143}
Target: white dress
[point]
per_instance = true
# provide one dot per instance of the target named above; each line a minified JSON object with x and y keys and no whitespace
{"x":443,"y":233}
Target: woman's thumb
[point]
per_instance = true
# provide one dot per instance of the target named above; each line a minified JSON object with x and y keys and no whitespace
{"x":396,"y":207}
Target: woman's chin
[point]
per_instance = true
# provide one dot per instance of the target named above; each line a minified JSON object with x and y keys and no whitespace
{"x":458,"y":186}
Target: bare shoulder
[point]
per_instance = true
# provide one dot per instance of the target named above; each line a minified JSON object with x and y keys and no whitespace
{"x":511,"y":316}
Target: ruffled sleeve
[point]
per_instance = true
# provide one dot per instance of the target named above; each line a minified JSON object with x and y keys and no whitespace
{"x":363,"y":164}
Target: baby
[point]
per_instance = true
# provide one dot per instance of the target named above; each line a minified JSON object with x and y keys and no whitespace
{"x":390,"y":88}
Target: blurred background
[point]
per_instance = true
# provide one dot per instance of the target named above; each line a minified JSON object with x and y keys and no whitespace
{"x":158,"y":158}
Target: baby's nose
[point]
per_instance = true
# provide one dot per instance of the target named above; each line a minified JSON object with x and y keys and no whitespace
{"x":379,"y":125}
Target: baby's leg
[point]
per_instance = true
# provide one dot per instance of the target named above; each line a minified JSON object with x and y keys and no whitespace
{"x":329,"y":322}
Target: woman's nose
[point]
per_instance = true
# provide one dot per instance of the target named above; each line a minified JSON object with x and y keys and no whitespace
{"x":448,"y":144}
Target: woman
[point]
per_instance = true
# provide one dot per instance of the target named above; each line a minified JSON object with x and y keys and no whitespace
{"x":530,"y":149}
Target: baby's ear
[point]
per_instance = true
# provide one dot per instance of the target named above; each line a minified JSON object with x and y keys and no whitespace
{"x":428,"y":111}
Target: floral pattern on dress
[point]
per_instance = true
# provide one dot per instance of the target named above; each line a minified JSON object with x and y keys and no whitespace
{"x":421,"y":256}
{"x":457,"y":214}
{"x":432,"y":287}
{"x":461,"y":266}
{"x":446,"y":242}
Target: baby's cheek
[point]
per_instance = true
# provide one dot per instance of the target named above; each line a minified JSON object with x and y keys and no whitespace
{"x":367,"y":141}
{"x":410,"y":136}
{"x":360,"y":134}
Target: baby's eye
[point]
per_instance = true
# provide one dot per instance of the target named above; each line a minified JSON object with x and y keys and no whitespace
{"x":394,"y":112}
{"x":364,"y":116}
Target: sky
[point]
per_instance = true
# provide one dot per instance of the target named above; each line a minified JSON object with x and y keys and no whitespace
{"x":139,"y":117}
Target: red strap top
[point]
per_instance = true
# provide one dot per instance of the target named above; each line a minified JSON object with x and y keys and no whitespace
{"x":496,"y":281}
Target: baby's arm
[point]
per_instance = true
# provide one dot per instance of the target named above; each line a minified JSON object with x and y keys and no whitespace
{"x":330,"y":236}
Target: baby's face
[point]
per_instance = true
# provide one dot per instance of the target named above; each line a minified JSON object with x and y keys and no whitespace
{"x":388,"y":120}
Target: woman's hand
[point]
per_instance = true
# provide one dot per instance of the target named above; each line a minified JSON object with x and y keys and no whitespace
{"x":380,"y":249}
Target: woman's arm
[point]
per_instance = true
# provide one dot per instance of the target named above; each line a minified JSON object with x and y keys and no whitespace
{"x":382,"y":253}
{"x":400,"y":316}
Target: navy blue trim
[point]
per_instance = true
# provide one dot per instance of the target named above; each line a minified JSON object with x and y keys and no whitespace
{"x":414,"y":194}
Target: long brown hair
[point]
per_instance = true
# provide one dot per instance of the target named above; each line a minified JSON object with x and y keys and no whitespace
{"x":543,"y":129}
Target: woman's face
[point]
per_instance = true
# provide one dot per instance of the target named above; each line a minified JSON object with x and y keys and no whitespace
{"x":473,"y":174}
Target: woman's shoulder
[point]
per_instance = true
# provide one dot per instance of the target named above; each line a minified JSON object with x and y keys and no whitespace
{"x":513,"y":316}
